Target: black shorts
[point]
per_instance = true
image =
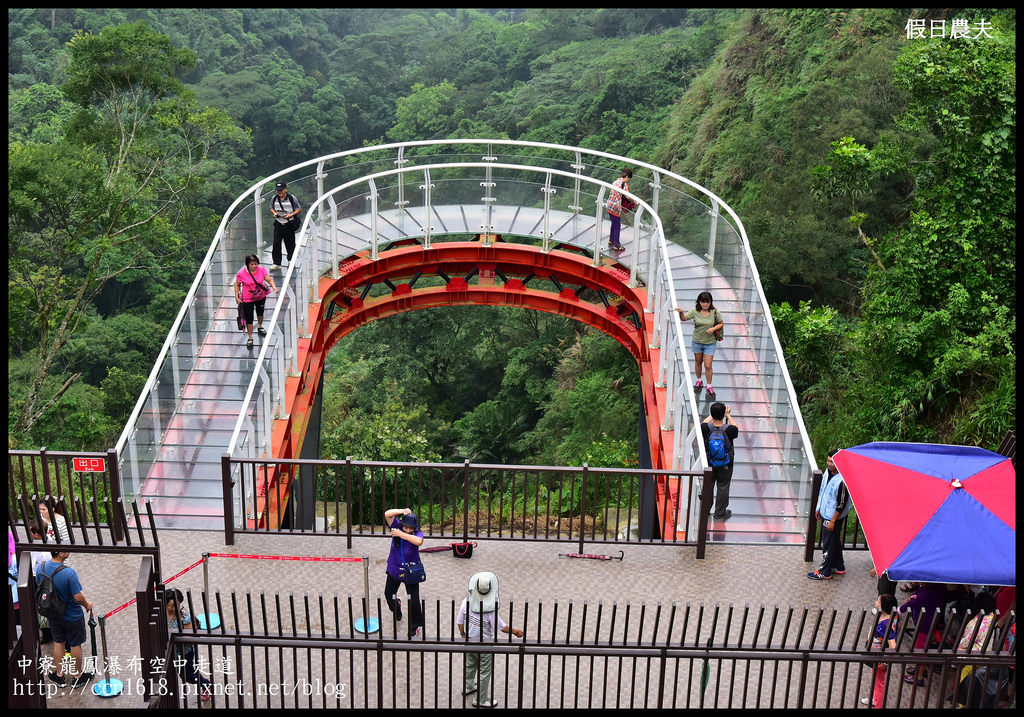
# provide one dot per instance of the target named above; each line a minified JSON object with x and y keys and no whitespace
{"x":249,"y":307}
{"x":70,"y":634}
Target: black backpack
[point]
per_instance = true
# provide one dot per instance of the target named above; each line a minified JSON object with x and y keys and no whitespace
{"x":48,"y":603}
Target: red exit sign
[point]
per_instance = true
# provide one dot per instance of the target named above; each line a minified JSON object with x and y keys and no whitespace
{"x":89,"y":465}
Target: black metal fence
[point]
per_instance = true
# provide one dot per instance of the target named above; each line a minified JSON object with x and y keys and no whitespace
{"x":289,"y":651}
{"x":52,"y":474}
{"x":23,"y":639}
{"x":348,"y":498}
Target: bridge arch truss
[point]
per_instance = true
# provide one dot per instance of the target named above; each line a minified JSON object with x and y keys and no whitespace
{"x":467,"y":208}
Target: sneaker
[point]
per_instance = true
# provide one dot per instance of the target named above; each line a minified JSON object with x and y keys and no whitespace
{"x":275,"y":267}
{"x":58,"y":680}
{"x":82,"y":680}
{"x":839,"y":572}
{"x":816,"y":575}
{"x":724,"y":516}
{"x":261,"y":331}
{"x":697,"y":387}
{"x":488,"y":704}
{"x":398,"y":609}
{"x":248,"y":344}
{"x":415,"y":633}
{"x":909,"y":679}
{"x":710,"y":393}
{"x":863,"y":700}
{"x":469,"y":690}
{"x":618,"y":248}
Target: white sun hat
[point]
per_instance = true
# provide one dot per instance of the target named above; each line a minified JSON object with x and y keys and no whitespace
{"x":483,"y":592}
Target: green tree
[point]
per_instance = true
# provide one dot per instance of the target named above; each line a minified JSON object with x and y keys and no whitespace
{"x":426,"y":113}
{"x":100,"y":202}
{"x":933,"y":354}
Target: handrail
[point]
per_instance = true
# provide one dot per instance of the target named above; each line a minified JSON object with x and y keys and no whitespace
{"x":401,"y":171}
{"x":574,"y":159}
{"x":254,"y":189}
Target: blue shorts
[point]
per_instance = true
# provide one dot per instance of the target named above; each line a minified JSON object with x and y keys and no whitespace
{"x":706,"y":349}
{"x":71,"y":634}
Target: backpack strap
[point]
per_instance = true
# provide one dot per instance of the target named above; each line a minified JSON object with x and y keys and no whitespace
{"x":291,"y":201}
{"x":53,"y":575}
{"x":256,"y":285}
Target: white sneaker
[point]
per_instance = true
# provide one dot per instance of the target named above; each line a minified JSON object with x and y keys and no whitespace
{"x":275,"y":267}
{"x":863,"y":700}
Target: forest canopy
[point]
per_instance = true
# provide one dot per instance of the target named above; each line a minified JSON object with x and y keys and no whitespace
{"x":874,"y":173}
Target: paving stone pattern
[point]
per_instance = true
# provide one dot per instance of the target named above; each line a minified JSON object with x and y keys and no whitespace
{"x":647,"y":583}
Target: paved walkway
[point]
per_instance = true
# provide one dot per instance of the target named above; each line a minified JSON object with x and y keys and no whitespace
{"x":533,"y":572}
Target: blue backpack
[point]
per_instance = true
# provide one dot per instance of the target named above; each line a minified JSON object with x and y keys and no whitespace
{"x":719,"y":446}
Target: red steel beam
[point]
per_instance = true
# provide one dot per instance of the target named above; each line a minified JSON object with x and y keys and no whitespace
{"x":456,"y":260}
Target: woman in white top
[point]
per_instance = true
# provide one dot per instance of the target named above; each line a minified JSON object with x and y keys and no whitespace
{"x":48,"y":521}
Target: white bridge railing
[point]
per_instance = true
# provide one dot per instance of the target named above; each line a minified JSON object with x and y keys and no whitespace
{"x":403,"y":190}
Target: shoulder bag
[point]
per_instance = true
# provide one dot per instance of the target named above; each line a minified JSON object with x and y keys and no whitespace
{"x":260,"y":287}
{"x":411,"y":571}
{"x":719,"y":333}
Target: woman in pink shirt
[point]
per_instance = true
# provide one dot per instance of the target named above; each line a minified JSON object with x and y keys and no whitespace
{"x":252,"y":285}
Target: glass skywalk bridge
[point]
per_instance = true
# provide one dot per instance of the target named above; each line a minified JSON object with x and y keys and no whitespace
{"x":208,"y":395}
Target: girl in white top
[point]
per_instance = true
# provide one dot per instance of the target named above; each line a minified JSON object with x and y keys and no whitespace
{"x":48,"y":522}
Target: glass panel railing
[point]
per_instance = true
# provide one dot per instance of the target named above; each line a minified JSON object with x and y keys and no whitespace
{"x":557,"y":191}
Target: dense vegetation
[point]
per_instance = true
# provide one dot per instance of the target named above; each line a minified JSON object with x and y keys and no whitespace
{"x":875,"y":176}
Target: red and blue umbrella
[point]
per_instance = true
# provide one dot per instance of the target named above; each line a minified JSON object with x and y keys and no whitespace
{"x":935,"y":513}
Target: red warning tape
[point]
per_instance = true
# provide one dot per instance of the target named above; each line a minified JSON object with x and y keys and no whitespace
{"x":287,"y":557}
{"x":134,"y":600}
{"x":199,"y":562}
{"x":190,"y":567}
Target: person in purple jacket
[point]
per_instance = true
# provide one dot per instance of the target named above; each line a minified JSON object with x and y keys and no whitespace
{"x":406,"y":539}
{"x":926,"y":605}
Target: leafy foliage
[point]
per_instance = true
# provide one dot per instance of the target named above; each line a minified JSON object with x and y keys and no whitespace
{"x":932,"y":355}
{"x":891,"y":258}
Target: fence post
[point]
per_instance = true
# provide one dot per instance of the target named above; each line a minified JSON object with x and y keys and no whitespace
{"x":662,"y":664}
{"x":812,"y":522}
{"x":583,"y":506}
{"x":522,"y":669}
{"x":465,"y":501}
{"x":348,"y":502}
{"x":706,"y":489}
{"x":380,"y":662}
{"x":114,"y":493}
{"x":45,"y":470}
{"x":803,"y":681}
{"x":229,"y":499}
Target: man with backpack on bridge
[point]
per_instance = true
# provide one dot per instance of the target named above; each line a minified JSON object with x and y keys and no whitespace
{"x":719,"y":433}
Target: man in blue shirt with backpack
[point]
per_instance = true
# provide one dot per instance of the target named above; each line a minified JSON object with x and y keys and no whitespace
{"x":59,"y":598}
{"x":719,"y":433}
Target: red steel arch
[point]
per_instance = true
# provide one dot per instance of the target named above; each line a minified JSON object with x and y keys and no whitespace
{"x":459,"y":263}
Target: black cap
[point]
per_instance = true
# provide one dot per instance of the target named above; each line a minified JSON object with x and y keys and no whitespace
{"x":280,"y":186}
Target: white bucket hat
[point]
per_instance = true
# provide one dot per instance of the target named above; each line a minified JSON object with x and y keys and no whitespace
{"x":483,"y":592}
